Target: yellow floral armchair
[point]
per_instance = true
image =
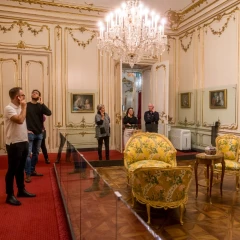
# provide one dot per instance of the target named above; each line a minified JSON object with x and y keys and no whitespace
{"x":162,"y":187}
{"x":146,"y":149}
{"x":229,"y":146}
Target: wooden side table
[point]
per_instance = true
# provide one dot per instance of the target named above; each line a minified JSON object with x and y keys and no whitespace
{"x":209,"y":161}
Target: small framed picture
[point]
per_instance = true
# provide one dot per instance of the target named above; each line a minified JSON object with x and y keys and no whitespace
{"x":218,"y":99}
{"x":82,"y":102}
{"x":185,"y":99}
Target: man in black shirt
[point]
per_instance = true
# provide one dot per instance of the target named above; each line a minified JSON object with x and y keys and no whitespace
{"x":151,"y":119}
{"x":35,"y":111}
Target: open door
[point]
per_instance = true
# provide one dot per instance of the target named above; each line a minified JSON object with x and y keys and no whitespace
{"x":160,"y":91}
{"x":118,"y":105}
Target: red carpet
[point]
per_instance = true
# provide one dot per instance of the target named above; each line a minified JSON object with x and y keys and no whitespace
{"x":93,"y":155}
{"x":115,"y":155}
{"x":40,"y":218}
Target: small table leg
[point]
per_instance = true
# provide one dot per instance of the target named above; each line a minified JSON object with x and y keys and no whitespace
{"x":211,"y":181}
{"x":222,"y":175}
{"x":207,"y":178}
{"x":196,"y":176}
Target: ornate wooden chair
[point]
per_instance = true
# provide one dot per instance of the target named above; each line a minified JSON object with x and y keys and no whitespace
{"x":146,"y":149}
{"x":162,"y":187}
{"x":229,"y":146}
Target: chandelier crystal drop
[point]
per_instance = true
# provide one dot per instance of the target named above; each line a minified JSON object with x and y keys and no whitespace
{"x":132,"y":32}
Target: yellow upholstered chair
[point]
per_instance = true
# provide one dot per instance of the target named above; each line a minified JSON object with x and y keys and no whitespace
{"x":162,"y":187}
{"x":229,"y":146}
{"x":146,"y":149}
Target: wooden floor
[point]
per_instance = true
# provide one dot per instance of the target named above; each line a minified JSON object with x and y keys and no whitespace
{"x":100,"y":215}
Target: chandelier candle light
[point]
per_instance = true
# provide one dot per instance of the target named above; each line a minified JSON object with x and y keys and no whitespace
{"x":132,"y":32}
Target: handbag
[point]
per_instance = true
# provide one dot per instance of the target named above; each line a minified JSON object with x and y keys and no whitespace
{"x":102,"y":130}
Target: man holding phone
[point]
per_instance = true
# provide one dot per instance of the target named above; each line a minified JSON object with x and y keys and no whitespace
{"x":35,"y":111}
{"x":151,"y":118}
{"x":16,"y":145}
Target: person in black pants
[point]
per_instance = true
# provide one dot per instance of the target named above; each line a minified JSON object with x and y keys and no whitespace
{"x":43,"y":144}
{"x":16,"y":144}
{"x":151,"y":119}
{"x":130,"y":124}
{"x":102,"y":121}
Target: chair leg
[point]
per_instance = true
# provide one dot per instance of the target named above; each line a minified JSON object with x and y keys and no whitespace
{"x":237,"y":183}
{"x":181,"y":208}
{"x":148,"y":213}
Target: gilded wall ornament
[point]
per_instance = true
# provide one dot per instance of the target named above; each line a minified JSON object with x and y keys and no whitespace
{"x":168,"y":45}
{"x":118,"y":118}
{"x":186,"y":47}
{"x":22,"y":24}
{"x":23,"y":45}
{"x":219,"y":18}
{"x":81,"y":124}
{"x":186,"y":123}
{"x":58,"y":31}
{"x":175,"y":18}
{"x":165,"y":118}
{"x":89,"y":7}
{"x":82,"y":29}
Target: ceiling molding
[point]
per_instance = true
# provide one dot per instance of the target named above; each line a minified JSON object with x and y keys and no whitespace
{"x":89,"y":7}
{"x":175,"y":18}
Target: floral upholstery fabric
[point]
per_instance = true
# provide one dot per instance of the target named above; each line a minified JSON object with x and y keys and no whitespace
{"x":146,"y":147}
{"x":162,"y":187}
{"x":148,"y":163}
{"x":229,"y":147}
{"x":229,"y":165}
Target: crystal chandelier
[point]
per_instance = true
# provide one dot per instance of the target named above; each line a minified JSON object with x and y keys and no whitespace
{"x":132,"y":32}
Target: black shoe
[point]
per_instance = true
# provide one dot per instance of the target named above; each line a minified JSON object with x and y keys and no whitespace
{"x":24,"y":193}
{"x":34,"y":173}
{"x":12,"y":200}
{"x":47,"y":161}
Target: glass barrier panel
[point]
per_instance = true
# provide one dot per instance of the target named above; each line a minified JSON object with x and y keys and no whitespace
{"x":95,"y":191}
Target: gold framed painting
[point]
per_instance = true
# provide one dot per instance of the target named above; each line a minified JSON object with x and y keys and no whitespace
{"x":82,"y":102}
{"x":218,"y":99}
{"x":185,"y":99}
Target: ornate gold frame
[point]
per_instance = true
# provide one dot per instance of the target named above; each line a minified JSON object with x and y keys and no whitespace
{"x":84,"y":97}
{"x":214,"y":97}
{"x":185,"y":100}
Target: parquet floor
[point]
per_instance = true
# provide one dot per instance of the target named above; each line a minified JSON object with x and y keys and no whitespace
{"x":100,"y":215}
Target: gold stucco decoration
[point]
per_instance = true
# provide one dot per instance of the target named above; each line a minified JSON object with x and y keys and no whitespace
{"x":186,"y":35}
{"x":79,"y":42}
{"x":186,"y":123}
{"x":218,"y":18}
{"x":22,"y":24}
{"x":81,"y":124}
{"x":89,"y":7}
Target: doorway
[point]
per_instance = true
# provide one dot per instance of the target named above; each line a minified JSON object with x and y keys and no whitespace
{"x":144,"y":84}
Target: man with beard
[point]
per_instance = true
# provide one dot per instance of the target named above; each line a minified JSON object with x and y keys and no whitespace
{"x":35,"y":111}
{"x":16,"y":144}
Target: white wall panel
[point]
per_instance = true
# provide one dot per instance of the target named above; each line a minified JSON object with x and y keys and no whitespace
{"x":186,"y":63}
{"x":221,"y":53}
